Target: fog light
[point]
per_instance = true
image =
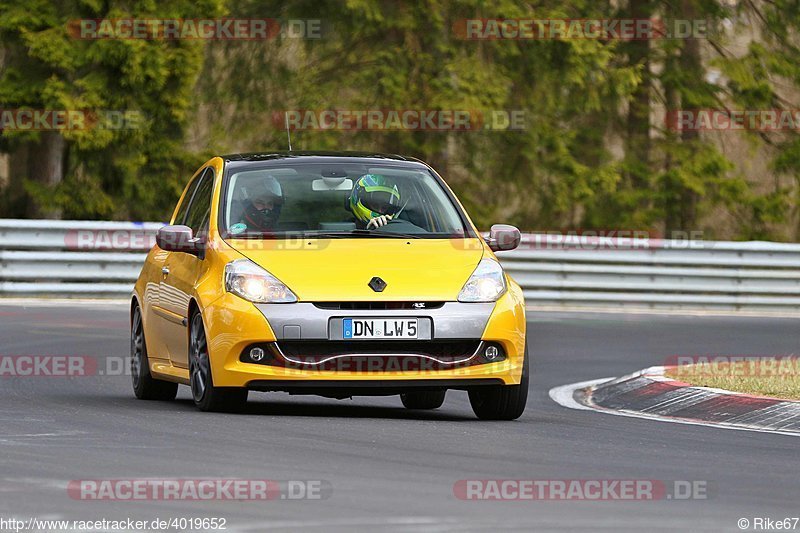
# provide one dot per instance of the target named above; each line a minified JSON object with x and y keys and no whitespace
{"x":256,"y":354}
{"x":491,"y":353}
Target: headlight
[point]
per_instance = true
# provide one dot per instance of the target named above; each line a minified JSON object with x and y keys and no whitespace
{"x":486,"y":284}
{"x":248,"y":280}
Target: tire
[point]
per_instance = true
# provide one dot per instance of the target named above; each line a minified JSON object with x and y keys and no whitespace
{"x":423,"y":399}
{"x":145,"y":386}
{"x":502,"y":402}
{"x":206,"y":396}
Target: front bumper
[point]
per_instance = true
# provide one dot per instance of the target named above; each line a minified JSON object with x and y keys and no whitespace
{"x":233,"y":324}
{"x":308,"y":321}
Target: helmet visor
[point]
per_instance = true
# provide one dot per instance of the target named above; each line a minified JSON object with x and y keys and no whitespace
{"x":383,"y":200}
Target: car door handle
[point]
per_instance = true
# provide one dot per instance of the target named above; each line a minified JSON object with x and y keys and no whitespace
{"x":165,"y":271}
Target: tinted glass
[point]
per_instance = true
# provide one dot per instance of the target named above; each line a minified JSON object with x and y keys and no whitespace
{"x":180,"y":215}
{"x":200,"y":208}
{"x":319,"y":199}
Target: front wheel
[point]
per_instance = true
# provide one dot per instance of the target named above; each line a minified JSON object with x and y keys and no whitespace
{"x":502,"y":402}
{"x":423,"y":399}
{"x":206,"y":396}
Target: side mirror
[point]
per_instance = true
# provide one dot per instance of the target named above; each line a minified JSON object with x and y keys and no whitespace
{"x":178,"y":239}
{"x":503,"y":238}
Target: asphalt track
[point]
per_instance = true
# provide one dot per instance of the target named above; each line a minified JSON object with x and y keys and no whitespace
{"x":390,"y":468}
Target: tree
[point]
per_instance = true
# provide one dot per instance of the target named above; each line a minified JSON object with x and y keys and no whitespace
{"x":134,"y":95}
{"x":595,"y":152}
{"x":407,"y":55}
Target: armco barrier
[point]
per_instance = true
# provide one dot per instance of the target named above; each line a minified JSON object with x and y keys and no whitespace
{"x":83,"y":258}
{"x":650,"y":273}
{"x":72,"y":258}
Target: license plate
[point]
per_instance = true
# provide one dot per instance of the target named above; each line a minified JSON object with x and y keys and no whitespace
{"x":379,"y":328}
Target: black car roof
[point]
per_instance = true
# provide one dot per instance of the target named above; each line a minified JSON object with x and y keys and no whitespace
{"x":319,"y":156}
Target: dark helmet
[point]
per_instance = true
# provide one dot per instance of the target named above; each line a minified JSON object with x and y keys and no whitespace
{"x":259,"y":193}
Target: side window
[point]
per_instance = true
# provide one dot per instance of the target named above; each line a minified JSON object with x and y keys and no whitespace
{"x":180,"y":215}
{"x":200,"y":209}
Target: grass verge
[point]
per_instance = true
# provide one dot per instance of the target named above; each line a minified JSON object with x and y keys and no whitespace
{"x":778,"y":377}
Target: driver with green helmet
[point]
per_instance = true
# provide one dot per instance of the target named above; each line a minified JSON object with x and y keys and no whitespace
{"x":376,"y":205}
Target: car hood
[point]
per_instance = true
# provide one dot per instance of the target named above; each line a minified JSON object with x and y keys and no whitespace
{"x":328,"y":270}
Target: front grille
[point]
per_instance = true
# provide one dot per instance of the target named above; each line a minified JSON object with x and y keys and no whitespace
{"x":378,"y":306}
{"x":369,"y":356}
{"x":443,"y":350}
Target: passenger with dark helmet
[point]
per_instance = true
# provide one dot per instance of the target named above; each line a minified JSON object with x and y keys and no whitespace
{"x":261,"y":206}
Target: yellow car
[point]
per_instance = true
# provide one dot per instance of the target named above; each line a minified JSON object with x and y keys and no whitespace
{"x":328,"y":273}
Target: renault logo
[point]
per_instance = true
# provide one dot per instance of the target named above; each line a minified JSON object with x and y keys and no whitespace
{"x":377,"y":284}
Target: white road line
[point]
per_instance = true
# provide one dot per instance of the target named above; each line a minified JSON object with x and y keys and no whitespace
{"x":565,"y":394}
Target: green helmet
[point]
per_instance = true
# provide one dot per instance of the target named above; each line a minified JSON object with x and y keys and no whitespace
{"x":372,"y":197}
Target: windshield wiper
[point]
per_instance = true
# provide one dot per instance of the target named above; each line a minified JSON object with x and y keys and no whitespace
{"x":251,"y":235}
{"x":392,"y":234}
{"x":327,"y":234}
{"x":292,"y":235}
{"x":359,"y":233}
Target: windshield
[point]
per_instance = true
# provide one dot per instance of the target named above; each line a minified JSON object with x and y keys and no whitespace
{"x":329,"y":200}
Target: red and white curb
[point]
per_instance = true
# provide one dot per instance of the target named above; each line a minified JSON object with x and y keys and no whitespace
{"x":650,"y":394}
